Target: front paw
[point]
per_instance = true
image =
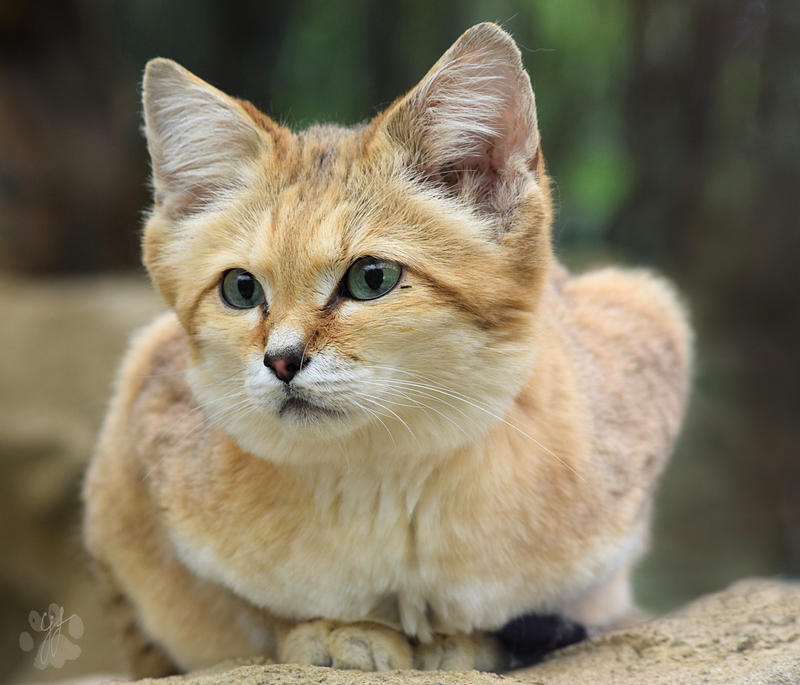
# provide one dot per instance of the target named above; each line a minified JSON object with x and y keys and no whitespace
{"x":460,"y":653}
{"x":363,"y":646}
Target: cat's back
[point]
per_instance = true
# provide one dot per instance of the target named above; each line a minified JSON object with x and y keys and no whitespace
{"x":151,"y":381}
{"x":630,"y":321}
{"x":630,"y":341}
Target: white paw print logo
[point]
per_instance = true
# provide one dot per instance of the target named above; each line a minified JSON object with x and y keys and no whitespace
{"x":56,"y":648}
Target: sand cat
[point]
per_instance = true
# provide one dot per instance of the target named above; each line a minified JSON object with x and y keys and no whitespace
{"x":381,"y":426}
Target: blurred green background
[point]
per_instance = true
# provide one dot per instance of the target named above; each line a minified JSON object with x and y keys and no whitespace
{"x":672,"y":132}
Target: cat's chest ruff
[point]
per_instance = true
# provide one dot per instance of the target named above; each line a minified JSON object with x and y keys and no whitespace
{"x":403,"y":551}
{"x":342,"y":549}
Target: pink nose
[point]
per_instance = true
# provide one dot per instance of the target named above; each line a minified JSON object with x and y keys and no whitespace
{"x":284,"y":365}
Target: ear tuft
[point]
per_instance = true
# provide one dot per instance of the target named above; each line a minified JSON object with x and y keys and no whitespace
{"x":199,"y":138}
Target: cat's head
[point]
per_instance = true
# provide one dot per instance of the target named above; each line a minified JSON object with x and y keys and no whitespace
{"x":378,"y":283}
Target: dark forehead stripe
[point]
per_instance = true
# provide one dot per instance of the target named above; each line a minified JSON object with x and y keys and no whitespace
{"x":325,"y":154}
{"x":481,"y":319}
{"x":192,"y":310}
{"x":528,"y":638}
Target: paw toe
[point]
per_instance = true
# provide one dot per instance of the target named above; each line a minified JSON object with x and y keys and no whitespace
{"x":460,"y":653}
{"x":369,"y":648}
{"x":366,"y":647}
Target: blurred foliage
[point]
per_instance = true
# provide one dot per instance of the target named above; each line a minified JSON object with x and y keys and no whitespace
{"x":670,"y":129}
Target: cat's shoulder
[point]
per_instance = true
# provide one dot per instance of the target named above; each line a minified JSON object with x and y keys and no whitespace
{"x":122,"y":469}
{"x":151,"y":404}
{"x":153,"y":370}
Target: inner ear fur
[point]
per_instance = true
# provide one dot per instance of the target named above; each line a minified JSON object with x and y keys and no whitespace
{"x":200,"y":139}
{"x":470,"y":124}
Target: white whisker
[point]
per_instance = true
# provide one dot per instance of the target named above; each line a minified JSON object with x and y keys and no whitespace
{"x":373,"y":401}
{"x":473,"y":403}
{"x":417,"y":404}
{"x":375,"y":415}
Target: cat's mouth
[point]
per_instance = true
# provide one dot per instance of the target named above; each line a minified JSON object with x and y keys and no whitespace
{"x":297,"y":407}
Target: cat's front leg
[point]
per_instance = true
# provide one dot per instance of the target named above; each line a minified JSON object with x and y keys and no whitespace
{"x":373,"y":647}
{"x":364,"y":646}
{"x":460,"y":652}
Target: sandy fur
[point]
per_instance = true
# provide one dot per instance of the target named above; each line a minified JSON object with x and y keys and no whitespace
{"x":505,"y":422}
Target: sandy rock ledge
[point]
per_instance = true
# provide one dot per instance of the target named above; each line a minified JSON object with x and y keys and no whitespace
{"x":747,"y":635}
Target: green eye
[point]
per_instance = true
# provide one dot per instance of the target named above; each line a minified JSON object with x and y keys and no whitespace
{"x":370,"y":277}
{"x":240,"y":289}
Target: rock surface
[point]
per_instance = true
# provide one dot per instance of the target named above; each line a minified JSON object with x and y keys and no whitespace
{"x":748,"y":634}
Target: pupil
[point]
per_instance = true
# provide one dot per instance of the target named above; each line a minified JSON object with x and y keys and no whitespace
{"x":246,"y":286}
{"x":374,"y":278}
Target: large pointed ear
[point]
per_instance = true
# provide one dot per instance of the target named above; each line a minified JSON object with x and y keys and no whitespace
{"x":471,"y":121}
{"x":200,"y":140}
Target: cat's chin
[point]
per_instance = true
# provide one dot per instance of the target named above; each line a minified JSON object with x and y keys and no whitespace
{"x":297,"y":431}
{"x":301,"y":412}
{"x":301,"y":434}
